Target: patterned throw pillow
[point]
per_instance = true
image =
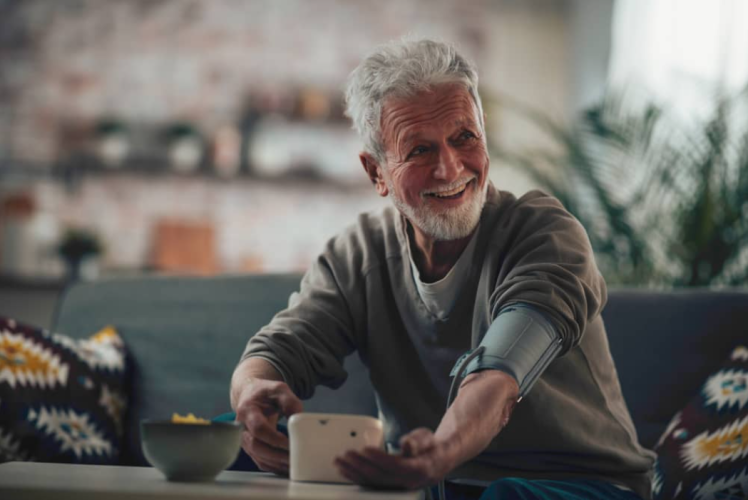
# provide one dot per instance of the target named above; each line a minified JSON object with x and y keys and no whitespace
{"x":703,"y":453}
{"x":61,"y":400}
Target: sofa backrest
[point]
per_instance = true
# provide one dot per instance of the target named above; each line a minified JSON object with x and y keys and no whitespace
{"x":665,"y":345}
{"x":185,"y":337}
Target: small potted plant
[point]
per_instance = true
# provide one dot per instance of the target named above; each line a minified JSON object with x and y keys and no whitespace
{"x":113,"y":142}
{"x":78,"y":247}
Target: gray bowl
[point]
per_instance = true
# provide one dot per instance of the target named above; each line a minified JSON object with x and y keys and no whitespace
{"x":190,"y":452}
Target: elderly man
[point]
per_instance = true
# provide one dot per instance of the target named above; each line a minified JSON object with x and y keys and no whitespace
{"x":455,"y":265}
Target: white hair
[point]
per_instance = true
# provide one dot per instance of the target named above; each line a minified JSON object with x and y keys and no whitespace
{"x":402,"y":69}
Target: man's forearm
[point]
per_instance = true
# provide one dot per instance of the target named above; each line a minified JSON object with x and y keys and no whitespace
{"x":251,"y":368}
{"x":480,"y":411}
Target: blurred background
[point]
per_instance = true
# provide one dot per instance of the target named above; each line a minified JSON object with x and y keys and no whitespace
{"x":208,"y":137}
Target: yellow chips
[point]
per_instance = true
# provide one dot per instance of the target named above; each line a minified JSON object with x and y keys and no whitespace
{"x":176,"y":418}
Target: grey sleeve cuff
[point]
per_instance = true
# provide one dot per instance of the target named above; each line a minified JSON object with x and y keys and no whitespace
{"x":272,"y":362}
{"x":520,"y":342}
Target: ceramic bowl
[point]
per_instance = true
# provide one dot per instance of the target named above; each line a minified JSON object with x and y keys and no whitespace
{"x":190,"y":452}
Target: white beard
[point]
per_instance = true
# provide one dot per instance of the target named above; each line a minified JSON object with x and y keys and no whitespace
{"x":447,"y":225}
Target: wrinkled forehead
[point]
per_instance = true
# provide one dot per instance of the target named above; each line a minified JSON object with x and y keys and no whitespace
{"x":450,"y":105}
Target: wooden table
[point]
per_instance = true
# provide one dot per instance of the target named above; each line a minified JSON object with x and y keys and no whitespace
{"x":35,"y":481}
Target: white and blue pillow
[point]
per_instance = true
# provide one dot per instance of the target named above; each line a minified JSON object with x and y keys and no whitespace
{"x":61,"y":399}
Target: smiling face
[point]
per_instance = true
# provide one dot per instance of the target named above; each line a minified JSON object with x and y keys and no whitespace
{"x":436,"y":161}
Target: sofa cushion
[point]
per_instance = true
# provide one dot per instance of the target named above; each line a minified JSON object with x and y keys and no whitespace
{"x":666,"y":343}
{"x":61,"y":400}
{"x":186,"y":336}
{"x":702,"y":453}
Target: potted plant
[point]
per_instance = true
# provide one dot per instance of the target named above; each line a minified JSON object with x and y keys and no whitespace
{"x":663,"y":200}
{"x":113,"y":142}
{"x":76,"y":247}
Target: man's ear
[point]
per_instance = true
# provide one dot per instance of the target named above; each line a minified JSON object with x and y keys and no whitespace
{"x":374,"y":171}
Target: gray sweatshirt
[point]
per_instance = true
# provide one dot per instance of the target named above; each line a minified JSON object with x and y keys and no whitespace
{"x":360,"y":295}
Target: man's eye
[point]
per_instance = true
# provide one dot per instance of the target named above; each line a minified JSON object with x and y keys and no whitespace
{"x":418,"y":150}
{"x":467,"y":135}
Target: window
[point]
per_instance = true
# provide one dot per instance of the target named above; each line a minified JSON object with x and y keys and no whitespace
{"x":681,"y":52}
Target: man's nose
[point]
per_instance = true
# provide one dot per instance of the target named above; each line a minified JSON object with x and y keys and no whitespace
{"x":449,"y":166}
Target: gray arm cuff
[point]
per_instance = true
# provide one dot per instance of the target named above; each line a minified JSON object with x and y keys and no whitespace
{"x":272,"y":362}
{"x":520,"y":342}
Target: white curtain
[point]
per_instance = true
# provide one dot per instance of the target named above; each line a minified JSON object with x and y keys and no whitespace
{"x":682,"y":52}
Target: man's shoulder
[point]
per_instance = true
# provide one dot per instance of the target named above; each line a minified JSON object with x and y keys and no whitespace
{"x":538,"y":198}
{"x":504,"y":199}
{"x":508,"y":218}
{"x":506,"y":207}
{"x":370,"y":239}
{"x":376,"y":224}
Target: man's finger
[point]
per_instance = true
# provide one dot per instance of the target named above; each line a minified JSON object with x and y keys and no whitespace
{"x":394,"y":470}
{"x":404,"y":470}
{"x":382,"y":459}
{"x":364,"y":467}
{"x":366,"y":473}
{"x":417,"y":442}
{"x":258,"y":426}
{"x":350,"y":472}
{"x":287,"y":402}
{"x":261,"y":451}
{"x":275,"y":468}
{"x":269,"y":465}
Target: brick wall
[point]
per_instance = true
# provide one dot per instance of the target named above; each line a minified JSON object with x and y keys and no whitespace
{"x":258,"y":225}
{"x":156,"y":61}
{"x":152,"y":62}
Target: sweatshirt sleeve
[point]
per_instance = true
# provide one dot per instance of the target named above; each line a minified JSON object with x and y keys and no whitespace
{"x":308,"y":341}
{"x":546,"y":261}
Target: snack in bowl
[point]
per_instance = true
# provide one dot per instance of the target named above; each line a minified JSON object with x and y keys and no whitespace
{"x":190,"y":418}
{"x":190,"y":448}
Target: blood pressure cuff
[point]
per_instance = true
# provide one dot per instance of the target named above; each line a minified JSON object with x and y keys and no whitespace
{"x":520,"y":342}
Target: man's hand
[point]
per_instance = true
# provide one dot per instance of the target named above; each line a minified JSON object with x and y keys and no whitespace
{"x":259,"y":406}
{"x":259,"y":398}
{"x":422,"y":461}
{"x":481,"y":410}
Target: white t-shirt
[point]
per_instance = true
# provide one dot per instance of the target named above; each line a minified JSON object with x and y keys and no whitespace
{"x":440,"y":297}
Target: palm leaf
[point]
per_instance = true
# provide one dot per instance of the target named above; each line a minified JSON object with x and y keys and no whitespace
{"x":662,"y":203}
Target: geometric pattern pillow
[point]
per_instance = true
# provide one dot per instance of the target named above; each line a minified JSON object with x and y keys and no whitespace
{"x":61,"y":400}
{"x":703,"y":453}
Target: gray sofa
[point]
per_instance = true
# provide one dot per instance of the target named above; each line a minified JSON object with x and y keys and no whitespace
{"x":185,"y":336}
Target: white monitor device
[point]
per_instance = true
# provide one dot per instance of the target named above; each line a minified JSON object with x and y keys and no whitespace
{"x":317,"y":438}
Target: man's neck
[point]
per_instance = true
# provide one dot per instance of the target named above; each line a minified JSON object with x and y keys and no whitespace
{"x":434,"y":259}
